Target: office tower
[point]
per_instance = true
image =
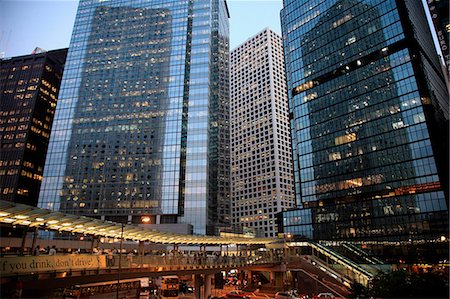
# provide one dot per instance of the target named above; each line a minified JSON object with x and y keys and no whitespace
{"x":261,"y":158}
{"x":439,"y":12}
{"x":29,"y":87}
{"x":142,"y":123}
{"x":369,"y":120}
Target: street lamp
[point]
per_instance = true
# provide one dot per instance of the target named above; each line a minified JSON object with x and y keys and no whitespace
{"x":145,"y":219}
{"x":120,"y":263}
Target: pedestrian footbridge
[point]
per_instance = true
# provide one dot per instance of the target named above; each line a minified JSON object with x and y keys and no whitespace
{"x":58,"y":271}
{"x":69,"y":265}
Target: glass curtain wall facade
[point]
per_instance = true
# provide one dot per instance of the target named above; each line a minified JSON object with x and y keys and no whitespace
{"x":369,"y":121}
{"x":29,"y":87}
{"x":137,"y":132}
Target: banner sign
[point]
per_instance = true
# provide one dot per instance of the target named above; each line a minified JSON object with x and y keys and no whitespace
{"x":43,"y":263}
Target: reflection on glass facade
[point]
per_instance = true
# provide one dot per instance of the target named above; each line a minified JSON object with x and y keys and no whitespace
{"x":369,"y":114}
{"x":142,"y":125}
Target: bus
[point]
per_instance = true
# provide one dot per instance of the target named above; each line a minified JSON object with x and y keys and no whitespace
{"x":170,"y":287}
{"x":128,"y":288}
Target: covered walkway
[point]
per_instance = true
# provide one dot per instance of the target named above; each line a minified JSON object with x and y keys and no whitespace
{"x":24,"y":215}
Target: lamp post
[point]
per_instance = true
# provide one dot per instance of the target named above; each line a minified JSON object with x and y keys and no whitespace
{"x":141,"y":249}
{"x":145,"y":219}
{"x":120,"y":263}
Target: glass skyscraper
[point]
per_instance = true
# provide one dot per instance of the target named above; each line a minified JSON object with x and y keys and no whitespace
{"x":29,"y":87}
{"x":141,"y":128}
{"x":369,"y":120}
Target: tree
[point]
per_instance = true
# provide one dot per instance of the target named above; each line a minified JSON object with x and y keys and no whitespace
{"x":400,"y":284}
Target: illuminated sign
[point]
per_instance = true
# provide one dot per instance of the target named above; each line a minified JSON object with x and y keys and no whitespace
{"x":30,"y":264}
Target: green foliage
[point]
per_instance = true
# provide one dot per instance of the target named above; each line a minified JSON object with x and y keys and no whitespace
{"x":358,"y":291}
{"x":400,"y":284}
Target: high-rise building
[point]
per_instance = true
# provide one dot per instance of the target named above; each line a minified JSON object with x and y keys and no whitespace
{"x":261,"y":158}
{"x":142,"y":125}
{"x":29,"y":87}
{"x":439,"y":12}
{"x":369,"y":120}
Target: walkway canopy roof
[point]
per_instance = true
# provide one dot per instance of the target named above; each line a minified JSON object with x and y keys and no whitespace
{"x":19,"y":214}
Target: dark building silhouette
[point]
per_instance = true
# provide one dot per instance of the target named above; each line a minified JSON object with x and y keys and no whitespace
{"x":369,"y":121}
{"x":439,"y":12}
{"x":29,"y":87}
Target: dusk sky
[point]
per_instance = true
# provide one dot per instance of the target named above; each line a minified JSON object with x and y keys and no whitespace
{"x":26,"y":24}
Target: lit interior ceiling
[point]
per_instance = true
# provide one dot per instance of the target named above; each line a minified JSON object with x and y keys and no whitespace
{"x":19,"y":214}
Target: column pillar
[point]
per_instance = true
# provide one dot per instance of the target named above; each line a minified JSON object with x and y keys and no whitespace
{"x":272,"y":278}
{"x":276,"y":278}
{"x":197,"y":285}
{"x":279,"y":278}
{"x":33,"y":244}
{"x":24,"y":239}
{"x":92,"y":244}
{"x":208,"y":285}
{"x":249,"y":277}
{"x":141,"y":252}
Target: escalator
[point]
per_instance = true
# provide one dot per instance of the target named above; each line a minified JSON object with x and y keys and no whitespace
{"x":353,"y":253}
{"x":336,"y":262}
{"x":364,"y":255}
{"x":360,"y":257}
{"x":344,"y":262}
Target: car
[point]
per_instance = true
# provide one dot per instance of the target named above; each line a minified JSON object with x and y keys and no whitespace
{"x":325,"y":296}
{"x":237,"y":295}
{"x":185,"y":288}
{"x":285,"y":295}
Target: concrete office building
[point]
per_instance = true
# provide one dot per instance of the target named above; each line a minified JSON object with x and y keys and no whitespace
{"x":141,"y":131}
{"x":261,"y":159}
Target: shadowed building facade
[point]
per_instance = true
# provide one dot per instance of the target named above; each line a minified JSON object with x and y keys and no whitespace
{"x":439,"y":12}
{"x":29,"y":87}
{"x":369,"y":121}
{"x":142,"y":130}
